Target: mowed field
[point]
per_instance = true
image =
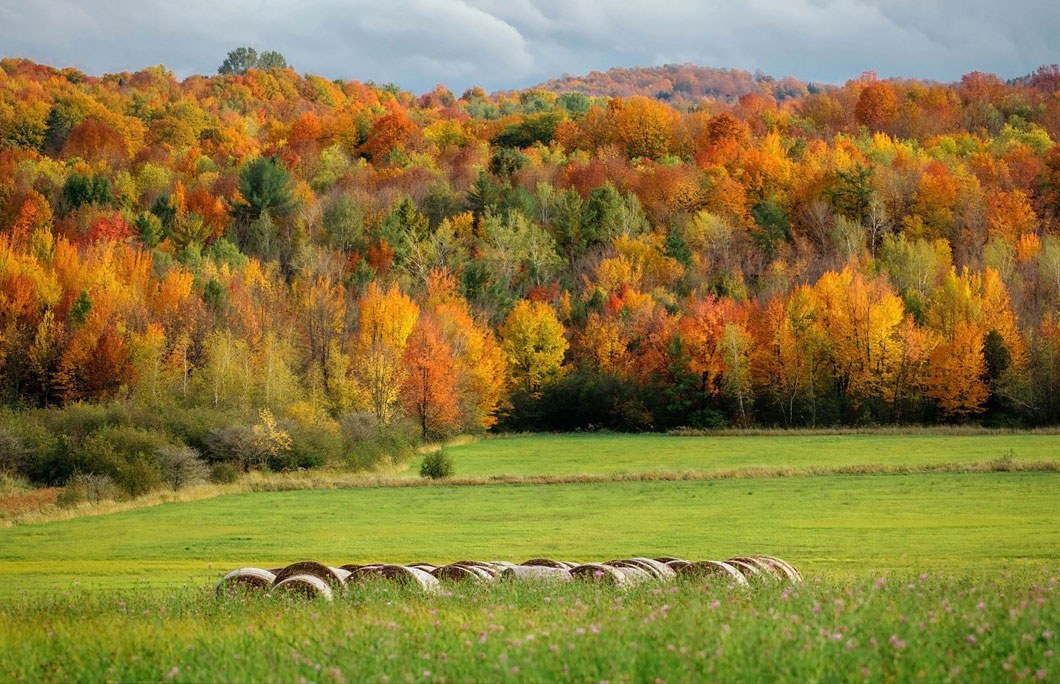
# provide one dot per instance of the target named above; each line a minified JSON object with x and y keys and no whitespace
{"x":612,"y":454}
{"x":826,"y":523}
{"x":884,"y":552}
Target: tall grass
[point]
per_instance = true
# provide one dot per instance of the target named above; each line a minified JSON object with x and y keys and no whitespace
{"x":905,"y":628}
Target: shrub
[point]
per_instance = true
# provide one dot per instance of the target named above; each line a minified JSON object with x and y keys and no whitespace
{"x":370,"y":445}
{"x":224,"y":473}
{"x":437,"y":465}
{"x":90,"y":488}
{"x":139,"y":477}
{"x":12,"y":452}
{"x":193,"y":426}
{"x":358,"y":427}
{"x":181,"y":466}
{"x":311,"y":446}
{"x":237,"y":445}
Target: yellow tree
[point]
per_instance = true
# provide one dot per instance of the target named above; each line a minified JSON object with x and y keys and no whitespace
{"x":482,"y":375}
{"x":533,"y":344}
{"x":386,"y":321}
{"x":861,"y":319}
{"x":955,"y":376}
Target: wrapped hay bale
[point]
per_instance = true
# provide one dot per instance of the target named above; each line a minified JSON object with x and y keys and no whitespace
{"x":334,"y":577}
{"x":658,"y":569}
{"x":678,"y":565}
{"x":501,"y":566}
{"x":598,"y":572}
{"x":545,"y":563}
{"x":710,"y":568}
{"x":309,"y":586}
{"x":456,"y":572}
{"x":667,"y":559}
{"x":765,"y":568}
{"x":746,"y":569}
{"x":789,"y":570}
{"x":246,"y":578}
{"x":481,"y":567}
{"x":426,"y":567}
{"x":536,"y":573}
{"x":404,"y":575}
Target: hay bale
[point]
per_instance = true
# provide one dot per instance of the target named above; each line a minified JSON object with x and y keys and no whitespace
{"x":598,"y":572}
{"x":309,"y":586}
{"x":678,"y":565}
{"x":501,"y":566}
{"x":332,"y":576}
{"x":426,"y":567}
{"x":409,"y":577}
{"x":747,"y":569}
{"x":789,"y":570}
{"x":481,"y":567}
{"x":544,"y":563}
{"x":709,"y":568}
{"x":535,"y":573}
{"x":634,"y":575}
{"x":657,"y":568}
{"x":246,"y":578}
{"x":653,"y":567}
{"x":460,"y":573}
{"x":765,"y":568}
{"x":667,"y":559}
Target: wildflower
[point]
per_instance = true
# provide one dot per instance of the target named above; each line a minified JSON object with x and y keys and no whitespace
{"x":972,"y":639}
{"x":880,"y":582}
{"x":173,"y":673}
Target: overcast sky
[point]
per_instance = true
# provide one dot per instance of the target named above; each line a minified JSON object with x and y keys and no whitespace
{"x":501,"y":44}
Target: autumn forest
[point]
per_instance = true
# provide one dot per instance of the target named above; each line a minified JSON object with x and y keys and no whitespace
{"x":700,"y":248}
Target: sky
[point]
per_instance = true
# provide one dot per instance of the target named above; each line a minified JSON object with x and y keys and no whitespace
{"x":507,"y":44}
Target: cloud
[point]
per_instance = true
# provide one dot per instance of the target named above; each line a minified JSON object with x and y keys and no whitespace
{"x":514,"y":43}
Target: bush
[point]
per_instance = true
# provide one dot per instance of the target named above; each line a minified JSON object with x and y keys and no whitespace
{"x":437,"y":465}
{"x":181,"y":466}
{"x":358,"y":427}
{"x":12,"y":453}
{"x":311,"y":446}
{"x":371,"y":445}
{"x":236,"y":444}
{"x":224,"y":473}
{"x":193,"y":426}
{"x":86,"y":487}
{"x":139,"y":477}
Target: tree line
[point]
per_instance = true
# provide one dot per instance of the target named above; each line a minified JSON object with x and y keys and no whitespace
{"x":879,"y":252}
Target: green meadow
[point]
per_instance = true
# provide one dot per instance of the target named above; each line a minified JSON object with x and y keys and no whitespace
{"x":887,"y":555}
{"x":613,"y":454}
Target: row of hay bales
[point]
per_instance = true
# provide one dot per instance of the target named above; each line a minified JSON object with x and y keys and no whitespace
{"x":316,"y":580}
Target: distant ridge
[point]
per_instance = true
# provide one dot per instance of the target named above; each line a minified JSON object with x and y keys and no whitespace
{"x":680,"y":83}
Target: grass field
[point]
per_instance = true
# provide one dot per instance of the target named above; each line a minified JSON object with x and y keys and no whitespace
{"x":826,"y":524}
{"x":609,"y":454}
{"x":130,"y":590}
{"x":917,"y":628}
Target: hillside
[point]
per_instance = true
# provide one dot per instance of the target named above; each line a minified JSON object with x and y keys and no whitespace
{"x":679,"y":83}
{"x":267,"y":270}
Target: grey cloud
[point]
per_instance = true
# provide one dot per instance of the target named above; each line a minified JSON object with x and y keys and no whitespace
{"x":514,"y":43}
